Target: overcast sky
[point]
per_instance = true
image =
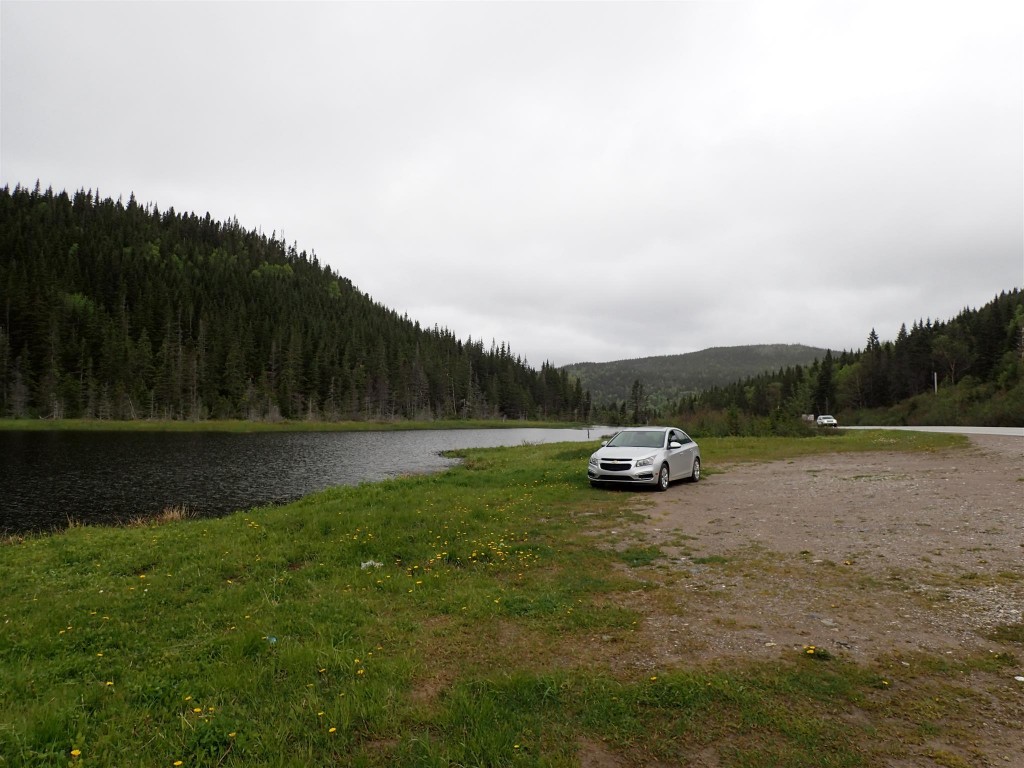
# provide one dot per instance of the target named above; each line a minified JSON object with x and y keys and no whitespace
{"x":585,"y":181}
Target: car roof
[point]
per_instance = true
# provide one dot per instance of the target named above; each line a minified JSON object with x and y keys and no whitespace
{"x":647,"y":429}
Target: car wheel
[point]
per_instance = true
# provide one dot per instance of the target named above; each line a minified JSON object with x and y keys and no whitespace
{"x":663,"y":478}
{"x":695,"y":474}
{"x":594,"y":484}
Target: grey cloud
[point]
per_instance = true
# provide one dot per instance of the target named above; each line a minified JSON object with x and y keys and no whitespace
{"x":784,"y":172}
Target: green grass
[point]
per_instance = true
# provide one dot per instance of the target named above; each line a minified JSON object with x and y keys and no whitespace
{"x":442,"y":620}
{"x":728,"y":450}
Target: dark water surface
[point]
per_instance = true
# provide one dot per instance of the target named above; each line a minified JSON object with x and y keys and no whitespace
{"x":49,"y":478}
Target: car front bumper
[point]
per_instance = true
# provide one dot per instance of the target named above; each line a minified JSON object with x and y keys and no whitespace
{"x":644,"y":475}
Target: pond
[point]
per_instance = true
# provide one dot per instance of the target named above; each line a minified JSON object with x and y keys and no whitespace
{"x":48,"y":478}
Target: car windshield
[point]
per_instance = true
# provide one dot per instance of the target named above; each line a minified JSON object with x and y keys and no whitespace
{"x":653,"y":438}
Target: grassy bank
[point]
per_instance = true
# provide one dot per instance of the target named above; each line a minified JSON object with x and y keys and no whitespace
{"x":238,"y":425}
{"x":453,"y":619}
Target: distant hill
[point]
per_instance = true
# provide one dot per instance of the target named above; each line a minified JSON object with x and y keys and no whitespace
{"x":670,"y":376}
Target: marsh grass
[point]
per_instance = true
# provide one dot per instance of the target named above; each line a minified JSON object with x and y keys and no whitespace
{"x":260,"y":639}
{"x":172,"y":514}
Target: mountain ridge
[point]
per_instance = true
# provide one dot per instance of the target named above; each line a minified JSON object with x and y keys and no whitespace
{"x":667,"y":377}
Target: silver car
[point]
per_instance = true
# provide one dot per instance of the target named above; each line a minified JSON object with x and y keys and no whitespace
{"x":646,"y":455}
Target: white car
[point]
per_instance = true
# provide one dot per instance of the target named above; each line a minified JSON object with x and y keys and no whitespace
{"x":827,"y":421}
{"x":647,"y":456}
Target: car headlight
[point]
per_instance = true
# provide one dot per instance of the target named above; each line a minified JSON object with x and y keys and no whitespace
{"x":645,"y":462}
{"x":593,"y":460}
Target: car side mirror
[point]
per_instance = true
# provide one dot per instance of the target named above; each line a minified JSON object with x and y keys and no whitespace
{"x":604,"y":443}
{"x":674,"y":444}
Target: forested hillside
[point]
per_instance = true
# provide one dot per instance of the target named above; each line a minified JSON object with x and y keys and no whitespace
{"x":122,"y":311}
{"x":968,"y":370}
{"x":669,"y":377}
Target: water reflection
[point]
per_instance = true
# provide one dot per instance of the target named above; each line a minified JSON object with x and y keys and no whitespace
{"x":49,"y":478}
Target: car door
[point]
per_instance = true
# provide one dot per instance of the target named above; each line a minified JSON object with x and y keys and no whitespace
{"x":680,"y":461}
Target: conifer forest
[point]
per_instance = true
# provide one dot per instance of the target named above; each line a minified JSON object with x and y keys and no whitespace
{"x":123,"y":311}
{"x":112,"y":310}
{"x":968,"y":370}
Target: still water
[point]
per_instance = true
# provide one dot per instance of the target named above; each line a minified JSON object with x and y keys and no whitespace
{"x":49,"y":478}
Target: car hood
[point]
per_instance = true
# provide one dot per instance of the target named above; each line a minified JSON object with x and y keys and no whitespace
{"x":611,"y":452}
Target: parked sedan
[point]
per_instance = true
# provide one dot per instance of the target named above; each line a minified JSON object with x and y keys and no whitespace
{"x":827,"y":421}
{"x":646,"y":455}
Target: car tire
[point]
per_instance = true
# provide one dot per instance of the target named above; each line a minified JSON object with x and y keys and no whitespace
{"x":663,"y":478}
{"x":594,"y":484}
{"x":695,"y":474}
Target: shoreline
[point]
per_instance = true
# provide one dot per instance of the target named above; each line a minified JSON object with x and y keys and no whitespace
{"x":241,"y":426}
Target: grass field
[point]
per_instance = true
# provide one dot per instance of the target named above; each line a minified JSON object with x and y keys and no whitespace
{"x":425,"y":621}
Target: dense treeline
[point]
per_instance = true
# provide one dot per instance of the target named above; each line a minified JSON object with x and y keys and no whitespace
{"x":968,"y":370}
{"x":123,"y":311}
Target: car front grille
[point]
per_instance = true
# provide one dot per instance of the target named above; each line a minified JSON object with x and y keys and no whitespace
{"x":615,"y":465}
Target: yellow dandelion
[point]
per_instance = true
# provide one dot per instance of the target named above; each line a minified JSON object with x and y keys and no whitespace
{"x":197,"y":709}
{"x":332,"y":729}
{"x":232,"y":735}
{"x":178,"y":762}
{"x":76,"y":752}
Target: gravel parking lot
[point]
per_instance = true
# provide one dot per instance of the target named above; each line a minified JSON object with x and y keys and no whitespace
{"x":866,"y":552}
